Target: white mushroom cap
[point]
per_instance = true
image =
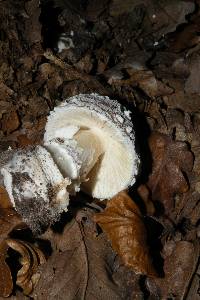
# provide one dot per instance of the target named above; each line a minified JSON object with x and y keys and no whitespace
{"x":105,"y":134}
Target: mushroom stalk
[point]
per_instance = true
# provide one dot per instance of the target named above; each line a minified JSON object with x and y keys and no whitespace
{"x":89,"y":144}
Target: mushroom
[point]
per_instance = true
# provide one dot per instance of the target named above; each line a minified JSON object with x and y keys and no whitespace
{"x":89,"y":144}
{"x":35,"y":185}
{"x":103,"y":138}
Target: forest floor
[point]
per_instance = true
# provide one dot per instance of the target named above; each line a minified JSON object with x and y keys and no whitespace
{"x":145,"y":54}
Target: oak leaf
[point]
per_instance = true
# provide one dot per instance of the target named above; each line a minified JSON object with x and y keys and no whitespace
{"x":123,"y":224}
{"x":171,"y":161}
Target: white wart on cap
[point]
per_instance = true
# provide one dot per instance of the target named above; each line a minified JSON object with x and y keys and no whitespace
{"x":103,"y":131}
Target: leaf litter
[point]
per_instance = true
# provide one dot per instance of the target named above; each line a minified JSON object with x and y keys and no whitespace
{"x":146,"y":54}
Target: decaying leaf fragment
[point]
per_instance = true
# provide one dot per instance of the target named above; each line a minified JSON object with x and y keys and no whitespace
{"x":4,"y":198}
{"x":6,"y":282}
{"x":122,"y":222}
{"x":171,"y":161}
{"x":31,"y":258}
{"x":27,"y":277}
{"x":10,"y":122}
{"x":81,"y":265}
{"x":9,"y":220}
{"x":181,"y":259}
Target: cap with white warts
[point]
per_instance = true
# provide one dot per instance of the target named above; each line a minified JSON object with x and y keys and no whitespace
{"x":104,"y":133}
{"x":35,"y":186}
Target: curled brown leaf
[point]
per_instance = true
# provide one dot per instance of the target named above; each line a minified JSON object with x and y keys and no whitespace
{"x":9,"y":220}
{"x":122,"y":222}
{"x":27,"y":276}
{"x":31,"y":258}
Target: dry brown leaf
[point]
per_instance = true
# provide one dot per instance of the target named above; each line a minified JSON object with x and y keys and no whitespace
{"x":83,"y":265}
{"x":4,"y":198}
{"x":122,"y":222}
{"x":10,"y":122}
{"x":31,"y":258}
{"x":9,"y":220}
{"x":6,"y":282}
{"x":139,"y":76}
{"x":27,"y":277}
{"x":181,"y":259}
{"x":23,"y":141}
{"x":171,"y":161}
{"x":159,"y":18}
{"x":145,"y":195}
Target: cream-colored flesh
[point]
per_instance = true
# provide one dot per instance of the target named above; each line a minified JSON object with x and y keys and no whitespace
{"x":92,"y":147}
{"x":107,"y":161}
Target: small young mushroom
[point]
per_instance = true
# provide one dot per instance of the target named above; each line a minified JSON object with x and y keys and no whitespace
{"x":89,"y":144}
{"x":104,"y":132}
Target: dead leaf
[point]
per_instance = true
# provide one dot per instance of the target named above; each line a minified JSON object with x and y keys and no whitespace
{"x":171,"y":161}
{"x":139,"y":76}
{"x":94,"y":9}
{"x":27,"y":277}
{"x":6,"y":282}
{"x":180,"y":262}
{"x":31,"y":258}
{"x":9,"y":220}
{"x":32,"y":24}
{"x":10,"y":122}
{"x":81,"y":266}
{"x":4,"y":198}
{"x":17,"y":296}
{"x":193,"y":82}
{"x":145,"y":195}
{"x":187,"y":38}
{"x":193,"y":292}
{"x":23,"y":141}
{"x":159,"y":18}
{"x":5,"y":95}
{"x":122,"y":222}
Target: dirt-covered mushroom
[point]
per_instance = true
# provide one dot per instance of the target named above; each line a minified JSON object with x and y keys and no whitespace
{"x":89,"y":144}
{"x":36,"y":186}
{"x":103,"y":140}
